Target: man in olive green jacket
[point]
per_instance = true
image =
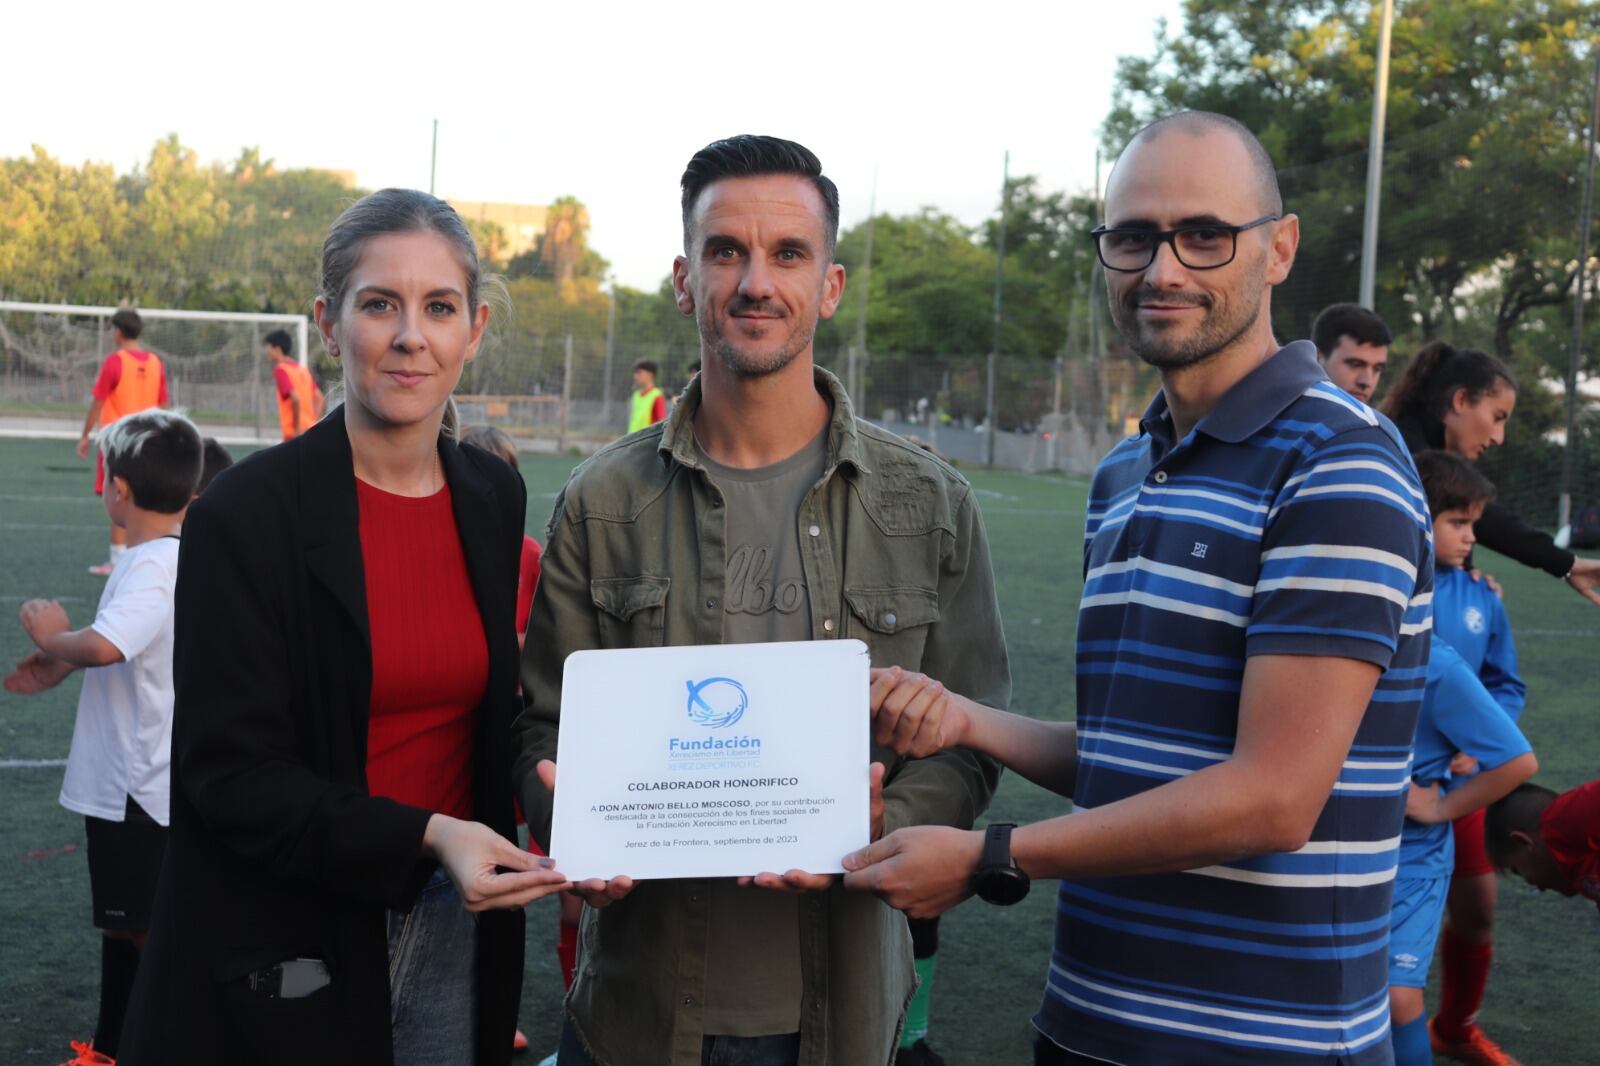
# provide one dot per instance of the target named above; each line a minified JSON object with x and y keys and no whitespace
{"x":760,"y":510}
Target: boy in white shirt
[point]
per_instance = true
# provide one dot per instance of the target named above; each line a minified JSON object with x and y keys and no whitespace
{"x":118,"y":767}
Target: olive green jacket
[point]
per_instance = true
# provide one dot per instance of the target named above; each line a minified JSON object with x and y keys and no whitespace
{"x":894,"y":553}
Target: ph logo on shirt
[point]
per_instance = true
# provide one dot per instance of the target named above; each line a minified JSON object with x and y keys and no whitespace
{"x":1474,"y":620}
{"x":717,"y":702}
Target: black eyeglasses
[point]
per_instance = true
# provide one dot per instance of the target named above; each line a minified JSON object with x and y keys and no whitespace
{"x":1205,"y":246}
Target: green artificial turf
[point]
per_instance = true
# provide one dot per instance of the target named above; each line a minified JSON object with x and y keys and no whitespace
{"x":1542,"y":995}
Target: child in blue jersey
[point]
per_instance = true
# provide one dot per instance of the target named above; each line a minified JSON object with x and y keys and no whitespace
{"x":1469,"y":616}
{"x":1466,"y":612}
{"x":1459,"y":717}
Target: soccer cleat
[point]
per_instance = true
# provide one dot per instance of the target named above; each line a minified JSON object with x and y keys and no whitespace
{"x":103,"y":570}
{"x":918,"y":1054}
{"x":519,"y":1043}
{"x":1476,"y":1050}
{"x":86,"y":1055}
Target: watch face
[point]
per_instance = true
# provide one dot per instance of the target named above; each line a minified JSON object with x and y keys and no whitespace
{"x":1002,"y":885}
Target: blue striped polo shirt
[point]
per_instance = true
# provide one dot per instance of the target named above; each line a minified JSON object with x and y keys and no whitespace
{"x":1288,"y":522}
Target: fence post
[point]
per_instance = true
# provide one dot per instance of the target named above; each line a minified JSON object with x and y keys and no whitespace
{"x":102,"y":344}
{"x":1585,"y":216}
{"x":566,"y":398}
{"x":1055,"y":409}
{"x":255,"y":377}
{"x":990,"y":407}
{"x":611,"y":343}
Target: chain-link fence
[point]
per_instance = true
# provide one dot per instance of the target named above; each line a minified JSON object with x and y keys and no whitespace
{"x":214,"y":361}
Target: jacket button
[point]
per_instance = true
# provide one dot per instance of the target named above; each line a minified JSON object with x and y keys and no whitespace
{"x":815,"y":531}
{"x":1161,"y":477}
{"x":890,"y":619}
{"x":827,"y":625}
{"x":711,"y":604}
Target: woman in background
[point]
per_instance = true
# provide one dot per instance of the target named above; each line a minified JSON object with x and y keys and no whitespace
{"x":1459,"y":400}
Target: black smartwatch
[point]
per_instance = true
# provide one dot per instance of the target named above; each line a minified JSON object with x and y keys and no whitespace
{"x":999,"y":880}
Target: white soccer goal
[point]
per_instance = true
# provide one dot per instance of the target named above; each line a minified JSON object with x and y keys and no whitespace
{"x":50,"y":354}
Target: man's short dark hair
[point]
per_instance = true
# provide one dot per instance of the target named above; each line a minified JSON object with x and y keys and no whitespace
{"x":280,"y":339}
{"x":128,"y":323}
{"x":1198,"y":122}
{"x":215,"y":459}
{"x":1452,"y":483}
{"x":648,"y":364}
{"x":751,"y":156}
{"x":1348,"y":320}
{"x":1517,"y":811}
{"x":158,"y":453}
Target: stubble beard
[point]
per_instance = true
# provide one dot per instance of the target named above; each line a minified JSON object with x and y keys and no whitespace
{"x":1218,"y":330}
{"x":745,"y":363}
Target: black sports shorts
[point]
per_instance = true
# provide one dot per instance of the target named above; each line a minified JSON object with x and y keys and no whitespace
{"x":124,"y":863}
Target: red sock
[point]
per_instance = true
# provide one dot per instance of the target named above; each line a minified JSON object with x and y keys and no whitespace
{"x":1466,"y":972}
{"x":567,"y":952}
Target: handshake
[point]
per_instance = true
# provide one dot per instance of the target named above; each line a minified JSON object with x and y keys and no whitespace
{"x":917,"y":716}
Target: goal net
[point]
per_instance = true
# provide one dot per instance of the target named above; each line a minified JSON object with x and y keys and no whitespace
{"x":51,"y":353}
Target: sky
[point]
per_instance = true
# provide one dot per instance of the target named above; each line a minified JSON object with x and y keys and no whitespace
{"x":605,"y":102}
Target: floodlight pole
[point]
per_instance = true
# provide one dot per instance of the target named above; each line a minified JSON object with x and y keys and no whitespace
{"x":999,"y":285}
{"x":1585,"y":218}
{"x":433,"y":157}
{"x":1380,"y":107}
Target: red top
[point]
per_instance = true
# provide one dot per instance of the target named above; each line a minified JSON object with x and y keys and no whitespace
{"x":430,"y":659}
{"x":527,"y":581}
{"x":1570,"y":827}
{"x":281,"y":378}
{"x":110,"y":375}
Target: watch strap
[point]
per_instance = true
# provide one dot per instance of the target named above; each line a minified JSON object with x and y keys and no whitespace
{"x":997,"y":845}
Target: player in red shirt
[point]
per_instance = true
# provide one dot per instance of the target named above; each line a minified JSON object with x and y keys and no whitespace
{"x":130,"y":380}
{"x":1550,"y":841}
{"x":299,"y":399}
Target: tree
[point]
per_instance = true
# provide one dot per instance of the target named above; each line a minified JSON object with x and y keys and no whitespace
{"x":59,"y":228}
{"x":175,"y":213}
{"x":1048,"y":259}
{"x":931,"y":287}
{"x":1487,"y":104}
{"x":271,"y":246}
{"x":562,"y":253}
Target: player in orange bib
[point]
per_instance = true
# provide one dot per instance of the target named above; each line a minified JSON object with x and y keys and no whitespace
{"x":299,"y":399}
{"x":130,"y":380}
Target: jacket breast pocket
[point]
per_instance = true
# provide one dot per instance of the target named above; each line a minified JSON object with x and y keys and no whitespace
{"x":632,"y":610}
{"x":893,"y":621}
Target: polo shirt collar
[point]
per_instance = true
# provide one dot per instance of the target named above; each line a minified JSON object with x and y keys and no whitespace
{"x":1252,"y":403}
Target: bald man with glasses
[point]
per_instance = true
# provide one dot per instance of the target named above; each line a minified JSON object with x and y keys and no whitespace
{"x":1257,"y":580}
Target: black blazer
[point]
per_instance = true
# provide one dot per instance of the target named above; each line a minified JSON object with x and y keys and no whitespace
{"x":276,"y":849}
